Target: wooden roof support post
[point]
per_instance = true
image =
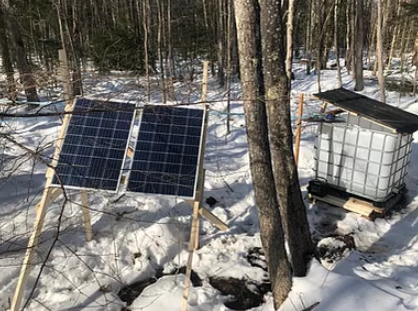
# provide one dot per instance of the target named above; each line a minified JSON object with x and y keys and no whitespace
{"x":299,"y":129}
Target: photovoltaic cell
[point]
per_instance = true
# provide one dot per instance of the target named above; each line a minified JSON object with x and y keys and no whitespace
{"x":94,"y":148}
{"x":166,"y":157}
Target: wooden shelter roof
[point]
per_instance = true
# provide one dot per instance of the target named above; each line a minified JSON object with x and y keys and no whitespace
{"x":399,"y":120}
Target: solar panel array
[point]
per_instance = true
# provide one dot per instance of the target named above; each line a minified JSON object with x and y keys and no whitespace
{"x":94,"y":148}
{"x":166,"y":157}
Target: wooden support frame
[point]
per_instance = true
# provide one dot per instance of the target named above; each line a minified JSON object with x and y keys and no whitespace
{"x":198,"y":210}
{"x":49,"y":195}
{"x":355,"y":205}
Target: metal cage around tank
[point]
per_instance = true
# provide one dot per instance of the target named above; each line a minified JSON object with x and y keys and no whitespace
{"x":367,"y":155}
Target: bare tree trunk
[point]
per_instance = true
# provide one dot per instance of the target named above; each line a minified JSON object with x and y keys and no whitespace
{"x":348,"y":54}
{"x":319,"y":41}
{"x":145,"y":12}
{"x":6,"y":59}
{"x":415,"y":62}
{"x":64,"y":67}
{"x":379,"y":46}
{"x":271,"y":231}
{"x":170,"y":59}
{"x":372,"y":41}
{"x":228,"y":63}
{"x":277,"y":99}
{"x":221,"y":45}
{"x":308,"y":43}
{"x":396,"y":33}
{"x":25,"y":72}
{"x":76,"y":48}
{"x":160,"y":51}
{"x":289,"y":40}
{"x":353,"y":35}
{"x":358,"y":65}
{"x":337,"y":52}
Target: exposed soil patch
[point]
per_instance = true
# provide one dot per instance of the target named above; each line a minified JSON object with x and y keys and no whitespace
{"x":241,"y":296}
{"x":334,"y":248}
{"x":244,"y":294}
{"x":211,"y":201}
{"x":256,"y":258}
{"x":130,"y":292}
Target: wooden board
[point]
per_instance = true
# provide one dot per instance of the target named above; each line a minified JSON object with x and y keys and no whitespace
{"x":362,"y":207}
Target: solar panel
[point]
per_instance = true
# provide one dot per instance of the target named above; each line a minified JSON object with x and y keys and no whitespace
{"x":93,"y":152}
{"x":166,"y":157}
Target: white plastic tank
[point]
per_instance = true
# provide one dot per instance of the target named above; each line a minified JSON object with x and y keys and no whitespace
{"x":362,"y":157}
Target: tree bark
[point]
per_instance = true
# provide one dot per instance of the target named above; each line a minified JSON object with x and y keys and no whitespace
{"x":379,"y":46}
{"x":336,"y":45}
{"x":353,"y":41}
{"x":6,"y":59}
{"x":145,"y":24}
{"x":221,"y":45}
{"x":25,"y":72}
{"x":271,"y":231}
{"x":289,"y":41}
{"x":63,"y":56}
{"x":160,"y":51}
{"x":415,"y":62}
{"x":76,"y":48}
{"x":319,"y":41}
{"x":228,"y":63}
{"x":395,"y":35}
{"x":358,"y":66}
{"x":348,"y":54}
{"x":277,"y":97}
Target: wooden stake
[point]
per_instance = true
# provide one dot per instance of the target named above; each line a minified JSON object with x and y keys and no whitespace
{"x":299,"y":129}
{"x":205,"y":81}
{"x":192,"y":244}
{"x":86,"y":215}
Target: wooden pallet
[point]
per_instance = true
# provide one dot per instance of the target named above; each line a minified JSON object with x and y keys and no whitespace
{"x":365,"y":208}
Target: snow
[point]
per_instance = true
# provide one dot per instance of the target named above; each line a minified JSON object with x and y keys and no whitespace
{"x":136,"y":235}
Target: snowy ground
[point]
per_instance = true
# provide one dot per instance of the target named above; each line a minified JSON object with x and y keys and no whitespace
{"x":137,"y":236}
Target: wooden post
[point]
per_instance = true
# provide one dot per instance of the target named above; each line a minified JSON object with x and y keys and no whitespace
{"x":40,"y":217}
{"x":86,"y":215}
{"x":205,"y":81}
{"x":299,"y":129}
{"x":323,"y":107}
{"x":192,"y":244}
{"x":65,"y":74}
{"x":53,"y":194}
{"x":33,"y":243}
